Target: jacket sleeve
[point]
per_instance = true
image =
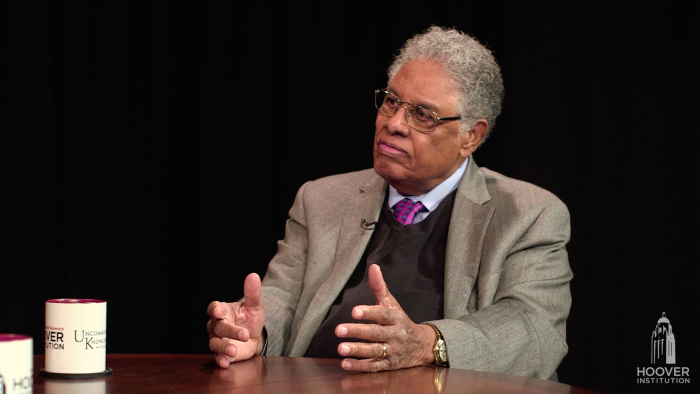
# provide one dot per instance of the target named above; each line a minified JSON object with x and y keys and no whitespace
{"x":518,"y":325}
{"x":283,"y":281}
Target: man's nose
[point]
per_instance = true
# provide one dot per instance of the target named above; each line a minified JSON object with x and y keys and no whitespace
{"x":398,"y":123}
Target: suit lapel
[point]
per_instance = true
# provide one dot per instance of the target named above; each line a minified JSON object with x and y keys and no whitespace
{"x":470,"y":218}
{"x":352,"y":242}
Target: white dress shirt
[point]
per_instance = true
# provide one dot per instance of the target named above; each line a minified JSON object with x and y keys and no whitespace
{"x":431,"y":199}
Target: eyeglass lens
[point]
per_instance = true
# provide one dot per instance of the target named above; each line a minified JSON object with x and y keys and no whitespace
{"x":417,"y":117}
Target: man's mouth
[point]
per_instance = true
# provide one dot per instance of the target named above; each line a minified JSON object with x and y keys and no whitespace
{"x":390,"y":149}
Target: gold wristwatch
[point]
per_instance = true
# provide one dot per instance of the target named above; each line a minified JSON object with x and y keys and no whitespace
{"x":439,"y":349}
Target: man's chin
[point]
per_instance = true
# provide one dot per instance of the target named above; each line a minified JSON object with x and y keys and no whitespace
{"x":385,"y":170}
{"x":396,"y":177}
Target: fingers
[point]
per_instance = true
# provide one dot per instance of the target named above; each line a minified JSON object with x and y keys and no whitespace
{"x":374,"y":351}
{"x":377,"y":284}
{"x":381,"y":332}
{"x":217,"y":310}
{"x":220,"y":314}
{"x":382,"y":315}
{"x":365,"y":365}
{"x":224,"y":329}
{"x":223,"y":347}
{"x":222,"y":361}
{"x":372,"y":332}
{"x":379,"y":288}
{"x":252,"y":291}
{"x":230,"y":324}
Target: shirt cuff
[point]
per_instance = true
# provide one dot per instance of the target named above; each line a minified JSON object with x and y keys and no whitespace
{"x":263,"y":352}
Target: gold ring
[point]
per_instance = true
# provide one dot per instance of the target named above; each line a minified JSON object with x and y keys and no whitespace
{"x":384,"y":354}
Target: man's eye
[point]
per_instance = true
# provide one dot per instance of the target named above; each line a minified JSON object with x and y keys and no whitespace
{"x":391,"y":102}
{"x":423,"y":115}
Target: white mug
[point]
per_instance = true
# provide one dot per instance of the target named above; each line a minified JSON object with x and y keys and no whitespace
{"x":75,"y":336}
{"x":16,"y":364}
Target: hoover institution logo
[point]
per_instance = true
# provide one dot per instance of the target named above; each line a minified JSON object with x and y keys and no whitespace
{"x":663,"y":357}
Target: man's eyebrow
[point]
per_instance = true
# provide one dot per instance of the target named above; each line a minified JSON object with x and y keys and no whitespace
{"x":423,"y":105}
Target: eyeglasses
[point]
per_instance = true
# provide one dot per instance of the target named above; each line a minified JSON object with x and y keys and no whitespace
{"x":417,"y":116}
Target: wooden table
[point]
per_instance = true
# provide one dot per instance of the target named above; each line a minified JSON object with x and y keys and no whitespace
{"x":197,"y":373}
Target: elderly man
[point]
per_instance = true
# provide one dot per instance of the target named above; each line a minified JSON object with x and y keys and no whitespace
{"x":424,"y":259}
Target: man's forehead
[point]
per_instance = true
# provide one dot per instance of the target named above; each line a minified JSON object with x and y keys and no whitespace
{"x":423,"y":82}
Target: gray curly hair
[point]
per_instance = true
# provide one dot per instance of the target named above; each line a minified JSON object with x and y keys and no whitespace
{"x":469,"y":63}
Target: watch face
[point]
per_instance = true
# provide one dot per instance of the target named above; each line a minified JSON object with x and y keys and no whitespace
{"x":441,"y":351}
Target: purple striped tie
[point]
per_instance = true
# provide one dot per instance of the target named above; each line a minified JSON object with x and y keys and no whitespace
{"x":405,"y":211}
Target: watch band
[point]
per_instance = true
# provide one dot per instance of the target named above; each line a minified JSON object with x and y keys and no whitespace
{"x":439,"y":348}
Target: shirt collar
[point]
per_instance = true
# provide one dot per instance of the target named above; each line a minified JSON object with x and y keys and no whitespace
{"x":432,"y":198}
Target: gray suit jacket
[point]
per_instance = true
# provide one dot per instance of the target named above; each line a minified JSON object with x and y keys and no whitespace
{"x":507,"y":274}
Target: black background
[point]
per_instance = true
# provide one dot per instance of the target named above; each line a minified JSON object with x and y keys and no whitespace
{"x":151,"y":151}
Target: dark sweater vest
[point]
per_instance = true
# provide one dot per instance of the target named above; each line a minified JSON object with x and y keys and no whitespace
{"x":412,"y":259}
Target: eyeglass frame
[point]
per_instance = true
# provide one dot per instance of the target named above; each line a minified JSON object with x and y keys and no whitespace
{"x":404,"y":105}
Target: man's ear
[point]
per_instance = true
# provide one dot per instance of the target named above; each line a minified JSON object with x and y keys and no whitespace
{"x":472,"y":138}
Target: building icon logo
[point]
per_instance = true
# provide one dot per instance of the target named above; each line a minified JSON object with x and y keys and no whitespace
{"x":663,"y":343}
{"x":663,"y":358}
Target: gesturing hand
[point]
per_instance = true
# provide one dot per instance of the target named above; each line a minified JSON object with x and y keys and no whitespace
{"x":407,"y":344}
{"x":235,"y":328}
